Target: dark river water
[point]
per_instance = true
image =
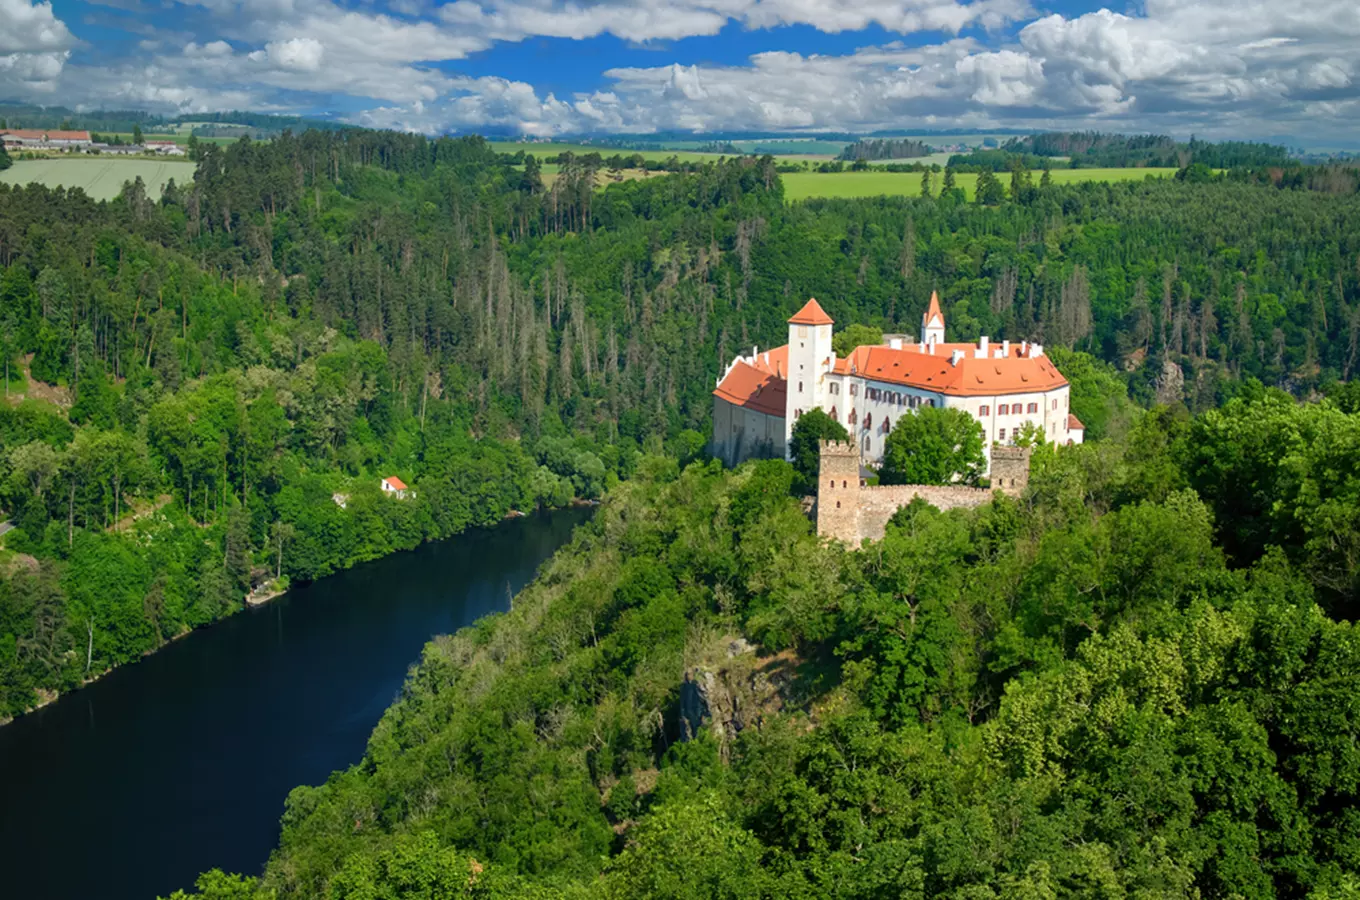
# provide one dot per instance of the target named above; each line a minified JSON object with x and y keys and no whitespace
{"x":132,"y":786}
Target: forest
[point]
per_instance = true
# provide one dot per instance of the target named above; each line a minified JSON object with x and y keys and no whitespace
{"x":884,"y":148}
{"x":202,"y":392}
{"x":1093,"y":149}
{"x":1136,"y":680}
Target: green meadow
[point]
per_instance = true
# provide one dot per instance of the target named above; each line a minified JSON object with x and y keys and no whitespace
{"x":101,"y":177}
{"x":810,"y":185}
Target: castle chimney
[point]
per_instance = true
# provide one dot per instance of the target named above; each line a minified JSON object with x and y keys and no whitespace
{"x":1035,"y":351}
{"x":982,"y":348}
{"x":1006,"y":349}
{"x":955,"y":357}
{"x":895,"y":343}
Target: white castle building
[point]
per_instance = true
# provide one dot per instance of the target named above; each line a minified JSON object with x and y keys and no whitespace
{"x":1005,"y":386}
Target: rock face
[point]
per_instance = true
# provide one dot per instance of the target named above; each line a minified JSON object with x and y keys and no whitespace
{"x":1170,"y":384}
{"x":730,"y":694}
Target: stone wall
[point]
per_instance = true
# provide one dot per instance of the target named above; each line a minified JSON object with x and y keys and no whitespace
{"x":851,"y":513}
{"x":878,"y":504}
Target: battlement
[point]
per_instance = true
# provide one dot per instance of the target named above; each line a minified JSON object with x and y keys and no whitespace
{"x":1020,"y":454}
{"x":839,"y":448}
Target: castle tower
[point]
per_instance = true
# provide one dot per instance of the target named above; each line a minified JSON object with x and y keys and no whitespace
{"x":1010,"y":469}
{"x":810,"y":356}
{"x":838,"y":491}
{"x":932,"y":323}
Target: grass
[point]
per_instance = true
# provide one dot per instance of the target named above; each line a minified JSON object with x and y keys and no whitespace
{"x":808,"y":185}
{"x":100,"y":177}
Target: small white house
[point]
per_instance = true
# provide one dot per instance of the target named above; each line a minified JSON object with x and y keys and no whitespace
{"x":1075,"y":430}
{"x":395,"y":486}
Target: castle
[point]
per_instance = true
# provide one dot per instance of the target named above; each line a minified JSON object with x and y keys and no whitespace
{"x":851,"y":512}
{"x":1004,"y":386}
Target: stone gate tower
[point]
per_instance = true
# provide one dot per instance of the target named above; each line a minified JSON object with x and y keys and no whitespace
{"x":838,"y":491}
{"x":1010,"y":469}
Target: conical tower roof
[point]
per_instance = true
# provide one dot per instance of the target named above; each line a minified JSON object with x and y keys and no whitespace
{"x":811,"y":314}
{"x":933,"y":313}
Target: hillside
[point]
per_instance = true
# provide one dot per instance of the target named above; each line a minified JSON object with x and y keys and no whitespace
{"x":1115,"y":686}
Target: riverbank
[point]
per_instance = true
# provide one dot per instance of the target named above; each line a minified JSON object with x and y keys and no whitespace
{"x":188,"y":757}
{"x":46,"y":694}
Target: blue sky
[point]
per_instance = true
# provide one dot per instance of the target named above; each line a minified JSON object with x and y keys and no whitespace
{"x":545,"y":67}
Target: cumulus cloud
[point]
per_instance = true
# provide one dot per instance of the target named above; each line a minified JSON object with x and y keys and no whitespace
{"x":1173,"y":65}
{"x":296,"y":54}
{"x":34,"y":47}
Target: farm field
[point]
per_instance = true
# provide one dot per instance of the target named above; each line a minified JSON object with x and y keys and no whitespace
{"x":101,"y":178}
{"x":544,"y":149}
{"x":807,"y":185}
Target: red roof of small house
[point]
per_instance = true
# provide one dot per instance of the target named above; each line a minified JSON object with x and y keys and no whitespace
{"x":68,"y":135}
{"x":27,"y":134}
{"x":933,"y":310}
{"x":395,"y":483}
{"x":811,"y":314}
{"x":1074,"y":424}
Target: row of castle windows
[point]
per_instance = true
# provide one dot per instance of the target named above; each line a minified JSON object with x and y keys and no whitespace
{"x":1012,"y":409}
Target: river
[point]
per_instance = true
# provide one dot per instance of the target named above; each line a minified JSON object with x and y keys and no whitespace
{"x":133,"y":785}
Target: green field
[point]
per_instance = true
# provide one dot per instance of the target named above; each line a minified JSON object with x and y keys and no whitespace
{"x":807,"y":185}
{"x":100,"y":177}
{"x":546,"y":149}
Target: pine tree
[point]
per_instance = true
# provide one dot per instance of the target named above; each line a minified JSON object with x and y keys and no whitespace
{"x":238,"y":558}
{"x":5,"y":161}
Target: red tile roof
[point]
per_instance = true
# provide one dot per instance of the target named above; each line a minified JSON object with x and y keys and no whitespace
{"x":754,"y":388}
{"x":1074,"y":424}
{"x":761,"y":385}
{"x":396,"y":482}
{"x":68,"y":135}
{"x":28,"y":134}
{"x":811,"y":314}
{"x":970,"y":377}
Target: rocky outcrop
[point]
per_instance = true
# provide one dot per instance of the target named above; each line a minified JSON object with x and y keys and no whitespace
{"x":732,"y":690}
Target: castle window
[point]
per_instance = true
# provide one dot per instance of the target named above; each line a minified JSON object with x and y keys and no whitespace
{"x":834,"y":417}
{"x":868,"y":420}
{"x":854,"y":390}
{"x":1055,"y":402}
{"x":802,"y":331}
{"x":853,"y":417}
{"x":800,"y":387}
{"x":887,"y":425}
{"x":1003,"y":410}
{"x":984,"y":410}
{"x":843,"y":484}
{"x":838,"y":504}
{"x":1001,"y":434}
{"x":836,"y":388}
{"x":1034,"y":407}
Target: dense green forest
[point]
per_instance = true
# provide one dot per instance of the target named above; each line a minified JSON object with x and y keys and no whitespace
{"x":1137,"y":680}
{"x":1093,"y":149}
{"x":200,"y":375}
{"x":884,"y":148}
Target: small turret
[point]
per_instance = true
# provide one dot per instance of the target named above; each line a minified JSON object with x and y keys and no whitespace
{"x":932,"y":323}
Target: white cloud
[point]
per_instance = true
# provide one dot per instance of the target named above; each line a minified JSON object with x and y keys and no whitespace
{"x":1174,"y":65}
{"x":29,"y":28}
{"x":296,"y":54}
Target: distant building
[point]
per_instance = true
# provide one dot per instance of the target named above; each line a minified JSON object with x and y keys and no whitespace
{"x":394,"y":485}
{"x":1004,"y":386}
{"x":37,"y":139}
{"x":164,"y":148}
